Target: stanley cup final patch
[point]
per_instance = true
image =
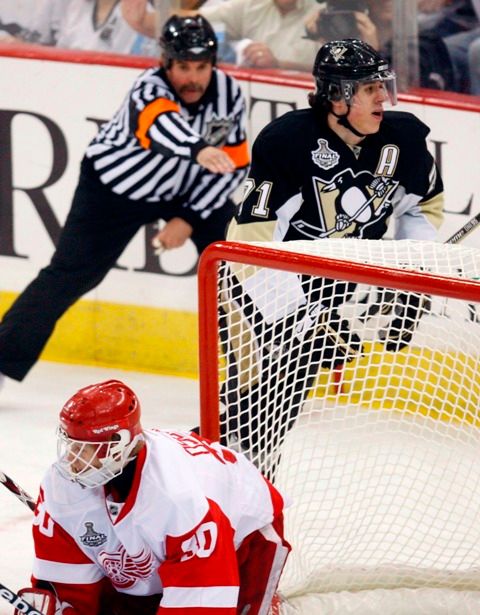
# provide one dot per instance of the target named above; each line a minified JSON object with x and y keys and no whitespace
{"x":91,"y":538}
{"x":323,"y":156}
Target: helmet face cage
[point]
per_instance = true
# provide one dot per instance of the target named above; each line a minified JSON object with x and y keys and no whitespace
{"x":92,"y":464}
{"x":189,"y":38}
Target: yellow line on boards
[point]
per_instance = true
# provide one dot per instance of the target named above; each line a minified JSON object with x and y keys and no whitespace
{"x":129,"y":337}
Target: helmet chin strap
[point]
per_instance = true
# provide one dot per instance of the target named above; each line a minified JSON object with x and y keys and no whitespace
{"x":343,"y":121}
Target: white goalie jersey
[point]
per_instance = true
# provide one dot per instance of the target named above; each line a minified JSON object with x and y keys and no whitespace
{"x":191,"y":506}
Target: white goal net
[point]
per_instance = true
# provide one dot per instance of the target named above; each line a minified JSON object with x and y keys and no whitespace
{"x":349,"y":371}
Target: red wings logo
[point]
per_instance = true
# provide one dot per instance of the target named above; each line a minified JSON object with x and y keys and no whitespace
{"x":125,"y":570}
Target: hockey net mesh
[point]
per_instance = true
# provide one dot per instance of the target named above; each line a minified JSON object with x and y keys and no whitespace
{"x":361,"y":403}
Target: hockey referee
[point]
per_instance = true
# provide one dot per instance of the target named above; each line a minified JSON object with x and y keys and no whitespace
{"x":176,"y":150}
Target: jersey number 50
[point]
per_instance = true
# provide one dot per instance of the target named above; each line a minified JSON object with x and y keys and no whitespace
{"x":202,"y":543}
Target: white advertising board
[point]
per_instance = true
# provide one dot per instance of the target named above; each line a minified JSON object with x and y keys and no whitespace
{"x":50,"y":109}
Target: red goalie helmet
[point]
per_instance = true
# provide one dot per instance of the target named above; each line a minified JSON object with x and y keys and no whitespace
{"x":98,"y":411}
{"x":99,"y":433}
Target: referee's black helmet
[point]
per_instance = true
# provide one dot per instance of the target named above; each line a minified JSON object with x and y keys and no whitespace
{"x":188,"y":38}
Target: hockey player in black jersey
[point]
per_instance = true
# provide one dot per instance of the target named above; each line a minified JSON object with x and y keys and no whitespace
{"x":344,"y":167}
{"x":313,"y":158}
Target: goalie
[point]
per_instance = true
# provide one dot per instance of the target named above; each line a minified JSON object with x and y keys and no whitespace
{"x":343,"y":168}
{"x":142,"y":522}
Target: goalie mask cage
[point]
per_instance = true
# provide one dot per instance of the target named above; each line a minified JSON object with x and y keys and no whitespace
{"x":348,"y":371}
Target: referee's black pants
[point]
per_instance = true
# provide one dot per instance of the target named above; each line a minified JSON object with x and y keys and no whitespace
{"x":99,"y":226}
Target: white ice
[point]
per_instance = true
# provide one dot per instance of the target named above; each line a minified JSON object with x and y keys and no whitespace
{"x":29,"y":412}
{"x":28,"y":419}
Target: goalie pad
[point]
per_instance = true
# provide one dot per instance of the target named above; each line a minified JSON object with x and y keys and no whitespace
{"x":408,"y":311}
{"x":42,"y":600}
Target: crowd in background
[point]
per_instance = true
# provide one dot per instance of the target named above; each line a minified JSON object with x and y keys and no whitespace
{"x":265,"y":34}
{"x":93,"y":25}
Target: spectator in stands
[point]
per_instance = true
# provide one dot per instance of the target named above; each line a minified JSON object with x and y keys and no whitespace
{"x":446,"y":17}
{"x":14,"y":14}
{"x":176,"y":150}
{"x":226,"y":52}
{"x":268,"y":33}
{"x":99,"y":26}
{"x":374,"y":25}
{"x":18,"y":21}
{"x":86,"y":25}
{"x":474,"y":63}
{"x":371,"y":23}
{"x":464,"y":50}
{"x":196,"y":4}
{"x":430,"y":12}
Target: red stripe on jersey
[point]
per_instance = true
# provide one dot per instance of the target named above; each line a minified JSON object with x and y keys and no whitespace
{"x":204,"y":557}
{"x":261,"y":558}
{"x":277,"y":500}
{"x":52,"y":542}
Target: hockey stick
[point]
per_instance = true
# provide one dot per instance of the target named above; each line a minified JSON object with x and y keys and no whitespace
{"x":9,"y":595}
{"x":465,"y":230}
{"x":386,"y":306}
{"x":17,"y":602}
{"x":17,"y":490}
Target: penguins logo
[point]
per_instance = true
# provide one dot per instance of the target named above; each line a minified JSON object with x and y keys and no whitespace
{"x":349,"y":204}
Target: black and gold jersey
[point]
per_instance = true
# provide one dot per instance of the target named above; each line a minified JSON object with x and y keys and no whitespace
{"x":307,"y":183}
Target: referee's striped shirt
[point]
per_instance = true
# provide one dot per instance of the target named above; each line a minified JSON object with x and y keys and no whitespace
{"x":147,"y":150}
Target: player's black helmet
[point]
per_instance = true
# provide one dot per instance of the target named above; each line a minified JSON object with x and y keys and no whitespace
{"x":188,"y":38}
{"x":340,"y":66}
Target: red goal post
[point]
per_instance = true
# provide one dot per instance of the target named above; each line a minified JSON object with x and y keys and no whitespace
{"x":364,"y":411}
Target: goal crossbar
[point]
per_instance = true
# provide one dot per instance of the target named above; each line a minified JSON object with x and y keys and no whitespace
{"x":236,"y":252}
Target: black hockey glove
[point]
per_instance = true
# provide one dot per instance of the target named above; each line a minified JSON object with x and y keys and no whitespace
{"x":408,"y":310}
